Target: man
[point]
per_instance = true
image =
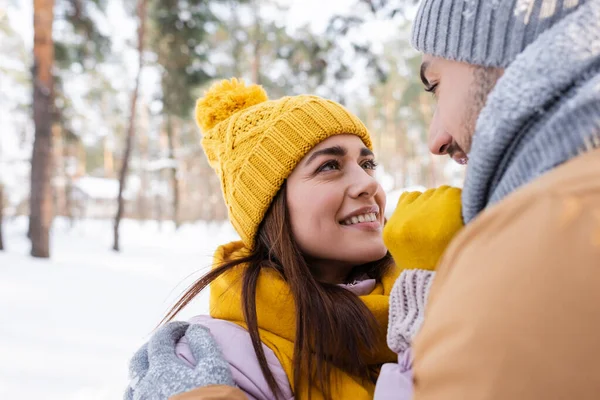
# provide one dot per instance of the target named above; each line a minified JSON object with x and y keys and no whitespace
{"x":514,"y":312}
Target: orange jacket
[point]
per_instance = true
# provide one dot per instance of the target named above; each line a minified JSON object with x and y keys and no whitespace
{"x":216,"y":392}
{"x":514,"y":312}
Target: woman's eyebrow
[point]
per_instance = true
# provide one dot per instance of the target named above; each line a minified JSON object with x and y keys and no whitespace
{"x":329,"y":151}
{"x":364,"y":152}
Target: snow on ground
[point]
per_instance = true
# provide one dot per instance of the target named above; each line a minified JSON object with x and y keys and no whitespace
{"x":69,"y":325}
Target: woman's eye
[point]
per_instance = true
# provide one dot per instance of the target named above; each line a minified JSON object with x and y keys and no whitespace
{"x":329,"y":166}
{"x":369,"y":164}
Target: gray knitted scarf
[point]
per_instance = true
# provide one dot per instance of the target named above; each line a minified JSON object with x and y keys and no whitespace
{"x":544,"y":111}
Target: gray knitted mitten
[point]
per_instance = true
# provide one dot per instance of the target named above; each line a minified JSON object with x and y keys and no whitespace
{"x":157,"y":373}
{"x":407,"y":307}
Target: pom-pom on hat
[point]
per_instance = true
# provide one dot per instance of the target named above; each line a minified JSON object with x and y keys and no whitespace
{"x":254,"y":143}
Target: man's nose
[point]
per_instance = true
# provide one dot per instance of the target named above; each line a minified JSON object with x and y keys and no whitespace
{"x":439,"y":140}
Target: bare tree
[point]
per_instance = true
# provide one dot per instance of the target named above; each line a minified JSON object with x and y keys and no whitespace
{"x":40,"y":217}
{"x":142,"y":7}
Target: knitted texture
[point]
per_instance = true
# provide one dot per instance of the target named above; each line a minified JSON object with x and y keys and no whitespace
{"x":407,"y":307}
{"x":543,"y":112}
{"x":157,"y":373}
{"x":254,"y":144}
{"x":489,"y":33}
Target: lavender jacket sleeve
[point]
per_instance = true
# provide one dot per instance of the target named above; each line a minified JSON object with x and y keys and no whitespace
{"x":237,"y":349}
{"x":395,"y":380}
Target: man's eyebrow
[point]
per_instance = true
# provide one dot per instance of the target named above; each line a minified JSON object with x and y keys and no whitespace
{"x":330,"y":151}
{"x":424,"y":67}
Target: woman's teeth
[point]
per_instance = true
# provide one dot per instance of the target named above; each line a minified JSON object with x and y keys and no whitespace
{"x":370,"y":217}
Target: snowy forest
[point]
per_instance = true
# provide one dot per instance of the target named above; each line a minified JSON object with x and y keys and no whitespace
{"x":120,"y":79}
{"x":108,"y":207}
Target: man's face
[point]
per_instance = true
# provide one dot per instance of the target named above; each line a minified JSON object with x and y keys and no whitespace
{"x":460,"y":90}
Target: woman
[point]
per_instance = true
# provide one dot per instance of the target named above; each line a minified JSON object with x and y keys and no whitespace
{"x":299,"y":306}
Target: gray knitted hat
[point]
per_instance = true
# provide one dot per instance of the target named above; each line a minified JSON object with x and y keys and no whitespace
{"x":489,"y":33}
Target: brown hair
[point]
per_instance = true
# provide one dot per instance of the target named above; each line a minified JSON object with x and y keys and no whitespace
{"x":334,"y":328}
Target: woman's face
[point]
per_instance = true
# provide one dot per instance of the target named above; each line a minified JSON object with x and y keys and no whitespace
{"x":337,"y":207}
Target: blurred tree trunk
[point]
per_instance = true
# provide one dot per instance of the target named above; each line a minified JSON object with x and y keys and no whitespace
{"x":40,"y":215}
{"x":141,"y":12}
{"x":172,"y":144}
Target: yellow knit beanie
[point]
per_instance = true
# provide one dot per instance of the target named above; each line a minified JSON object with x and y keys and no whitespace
{"x":254,"y":143}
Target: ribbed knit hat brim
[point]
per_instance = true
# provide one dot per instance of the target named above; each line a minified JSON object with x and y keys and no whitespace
{"x":488,"y":33}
